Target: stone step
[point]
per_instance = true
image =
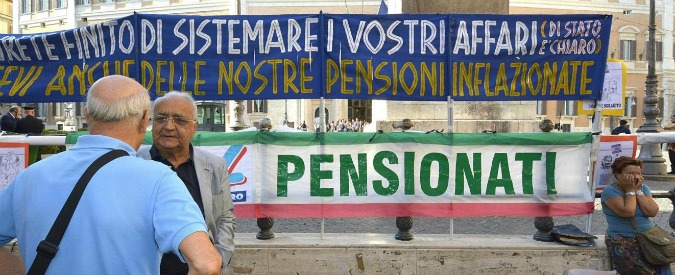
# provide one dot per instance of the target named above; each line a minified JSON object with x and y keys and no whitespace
{"x":427,"y":254}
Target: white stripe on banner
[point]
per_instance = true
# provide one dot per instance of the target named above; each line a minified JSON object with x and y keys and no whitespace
{"x":383,"y":175}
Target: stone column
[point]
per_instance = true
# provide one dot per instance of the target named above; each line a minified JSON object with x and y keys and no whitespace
{"x":668,"y":63}
{"x":16,"y":12}
{"x":71,"y":18}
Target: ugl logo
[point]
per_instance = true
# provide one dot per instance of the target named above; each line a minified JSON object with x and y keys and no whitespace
{"x":233,"y":155}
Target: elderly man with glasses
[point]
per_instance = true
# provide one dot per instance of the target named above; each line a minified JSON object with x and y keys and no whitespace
{"x":204,"y":174}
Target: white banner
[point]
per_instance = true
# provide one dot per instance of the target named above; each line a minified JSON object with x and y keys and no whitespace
{"x":531,"y":179}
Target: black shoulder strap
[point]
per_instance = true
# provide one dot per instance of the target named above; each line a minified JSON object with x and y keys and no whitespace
{"x":47,"y":248}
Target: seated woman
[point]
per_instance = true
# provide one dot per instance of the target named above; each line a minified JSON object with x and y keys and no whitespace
{"x":622,"y":201}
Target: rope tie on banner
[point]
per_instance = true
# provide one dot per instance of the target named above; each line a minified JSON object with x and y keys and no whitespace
{"x":435,"y":131}
{"x":373,"y":137}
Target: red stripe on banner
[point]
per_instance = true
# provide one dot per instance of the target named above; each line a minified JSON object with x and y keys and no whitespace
{"x":412,"y":209}
{"x":240,"y":155}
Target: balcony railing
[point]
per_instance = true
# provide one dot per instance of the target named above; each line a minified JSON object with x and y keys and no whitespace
{"x":99,"y":2}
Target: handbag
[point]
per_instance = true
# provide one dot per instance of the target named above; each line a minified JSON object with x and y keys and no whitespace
{"x":657,"y":244}
{"x":48,"y":247}
{"x":571,"y":235}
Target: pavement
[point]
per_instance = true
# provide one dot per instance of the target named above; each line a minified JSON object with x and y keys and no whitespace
{"x":478,"y":225}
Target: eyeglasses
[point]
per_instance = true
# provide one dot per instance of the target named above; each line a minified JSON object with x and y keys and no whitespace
{"x":178,"y":120}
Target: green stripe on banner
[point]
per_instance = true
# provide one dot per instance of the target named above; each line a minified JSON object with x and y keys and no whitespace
{"x":72,"y":137}
{"x":309,"y":139}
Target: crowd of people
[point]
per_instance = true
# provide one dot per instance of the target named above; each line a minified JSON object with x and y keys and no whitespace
{"x":342,"y":125}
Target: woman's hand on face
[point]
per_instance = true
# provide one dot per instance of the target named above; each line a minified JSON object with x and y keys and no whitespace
{"x":627,"y":182}
{"x":639,"y":180}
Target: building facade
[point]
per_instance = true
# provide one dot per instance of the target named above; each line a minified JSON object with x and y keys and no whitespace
{"x":627,"y":42}
{"x":6,"y":16}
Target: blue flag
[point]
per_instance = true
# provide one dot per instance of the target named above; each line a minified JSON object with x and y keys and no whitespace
{"x":383,"y":8}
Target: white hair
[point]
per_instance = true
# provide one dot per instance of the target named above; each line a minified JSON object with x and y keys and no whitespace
{"x":185,"y":96}
{"x":131,"y":106}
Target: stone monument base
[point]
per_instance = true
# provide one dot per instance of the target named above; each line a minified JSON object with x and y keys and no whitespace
{"x":425,"y":254}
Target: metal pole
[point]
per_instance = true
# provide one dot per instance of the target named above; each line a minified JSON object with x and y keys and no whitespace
{"x":651,"y":154}
{"x":595,"y":128}
{"x":451,"y":106}
{"x":285,"y":112}
{"x":450,"y":124}
{"x":404,"y":224}
{"x":544,"y":225}
{"x":322,"y":115}
{"x":265,"y":224}
{"x":322,"y":129}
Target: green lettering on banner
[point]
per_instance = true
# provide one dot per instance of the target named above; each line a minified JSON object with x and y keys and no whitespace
{"x":316,"y":175}
{"x":409,"y":173}
{"x":528,"y":167}
{"x":463,"y":170}
{"x":348,"y":171}
{"x":354,"y":173}
{"x":443,"y":171}
{"x":500,"y":162}
{"x":284,"y":175}
{"x":385,"y":172}
{"x":550,"y":173}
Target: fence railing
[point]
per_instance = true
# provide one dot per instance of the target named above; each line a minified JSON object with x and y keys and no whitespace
{"x":489,"y":225}
{"x":99,"y":2}
{"x":427,"y":225}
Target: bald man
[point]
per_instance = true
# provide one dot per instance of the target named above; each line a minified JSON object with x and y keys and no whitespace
{"x":132,"y":210}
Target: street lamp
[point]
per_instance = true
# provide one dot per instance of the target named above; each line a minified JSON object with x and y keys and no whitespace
{"x":651,"y":153}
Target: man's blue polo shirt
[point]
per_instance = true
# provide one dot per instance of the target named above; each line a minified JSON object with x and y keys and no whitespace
{"x":131,"y":212}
